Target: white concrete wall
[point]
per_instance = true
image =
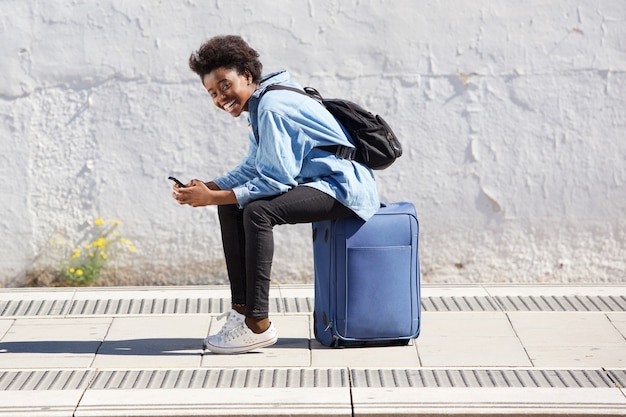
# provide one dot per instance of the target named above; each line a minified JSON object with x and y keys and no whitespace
{"x":512,"y":114}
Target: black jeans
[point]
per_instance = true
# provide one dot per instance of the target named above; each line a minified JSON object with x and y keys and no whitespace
{"x":248,"y":240}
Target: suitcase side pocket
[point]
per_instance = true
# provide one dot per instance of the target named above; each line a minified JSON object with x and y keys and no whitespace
{"x":378,"y":294}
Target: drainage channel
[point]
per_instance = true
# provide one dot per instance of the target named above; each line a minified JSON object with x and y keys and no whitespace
{"x":141,"y":379}
{"x":125,"y":306}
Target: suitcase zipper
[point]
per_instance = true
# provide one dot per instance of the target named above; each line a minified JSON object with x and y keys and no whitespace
{"x":329,"y":326}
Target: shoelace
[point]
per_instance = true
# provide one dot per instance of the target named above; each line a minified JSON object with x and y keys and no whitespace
{"x":235,"y":332}
{"x":232,"y":321}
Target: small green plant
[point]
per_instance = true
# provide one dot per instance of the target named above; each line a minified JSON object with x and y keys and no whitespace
{"x":82,"y":263}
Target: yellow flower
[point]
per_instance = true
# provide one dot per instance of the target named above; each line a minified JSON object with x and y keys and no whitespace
{"x":132,"y":248}
{"x":79,"y":272}
{"x":103,"y":255}
{"x":99,"y":222}
{"x":76,"y":253}
{"x":72,"y":270}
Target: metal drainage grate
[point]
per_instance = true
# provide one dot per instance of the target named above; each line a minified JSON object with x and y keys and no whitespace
{"x":10,"y":308}
{"x":61,"y":380}
{"x":299,"y":304}
{"x":525,"y":303}
{"x":148,"y":306}
{"x":50,"y":380}
{"x":222,"y":378}
{"x":459,"y":304}
{"x":111,"y":306}
{"x":482,"y":378}
{"x":618,"y":377}
{"x":563,"y":303}
{"x":53,"y":380}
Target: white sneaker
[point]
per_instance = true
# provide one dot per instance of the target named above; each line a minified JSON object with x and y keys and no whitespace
{"x":233,"y":319}
{"x":241,"y":339}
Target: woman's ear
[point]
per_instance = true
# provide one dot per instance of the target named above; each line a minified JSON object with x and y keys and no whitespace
{"x":248,"y":76}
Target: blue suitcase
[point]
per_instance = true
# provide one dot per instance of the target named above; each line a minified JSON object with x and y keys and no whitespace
{"x":367,"y":278}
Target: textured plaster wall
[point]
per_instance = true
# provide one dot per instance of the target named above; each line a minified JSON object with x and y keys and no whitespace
{"x":512,"y":115}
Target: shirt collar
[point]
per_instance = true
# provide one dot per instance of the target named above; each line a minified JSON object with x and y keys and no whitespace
{"x":272,"y":78}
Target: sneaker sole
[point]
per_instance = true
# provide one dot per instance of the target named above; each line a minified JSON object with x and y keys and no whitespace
{"x":239,"y":349}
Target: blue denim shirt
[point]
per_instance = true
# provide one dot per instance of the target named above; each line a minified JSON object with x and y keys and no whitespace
{"x":285,"y":129}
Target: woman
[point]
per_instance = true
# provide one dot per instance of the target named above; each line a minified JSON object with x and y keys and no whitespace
{"x":284,"y":179}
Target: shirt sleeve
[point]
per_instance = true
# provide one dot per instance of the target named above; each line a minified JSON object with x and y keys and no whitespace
{"x":243,"y":172}
{"x":276,"y":162}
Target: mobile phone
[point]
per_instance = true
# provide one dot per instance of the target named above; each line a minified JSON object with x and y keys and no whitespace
{"x":180,"y":184}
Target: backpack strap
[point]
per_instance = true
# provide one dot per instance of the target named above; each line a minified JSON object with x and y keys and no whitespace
{"x":345,"y":152}
{"x":282,"y":87}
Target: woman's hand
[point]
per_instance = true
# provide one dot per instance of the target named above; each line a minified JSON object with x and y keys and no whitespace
{"x":197,"y":194}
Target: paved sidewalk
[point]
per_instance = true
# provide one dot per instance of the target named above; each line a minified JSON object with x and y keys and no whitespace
{"x":483,"y":350}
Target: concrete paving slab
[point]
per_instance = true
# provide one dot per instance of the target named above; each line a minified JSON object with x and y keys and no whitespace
{"x":469,"y":339}
{"x":16,"y":294}
{"x":570,"y":339}
{"x":488,"y":401}
{"x":153,"y":341}
{"x":454,"y":291}
{"x":566,"y":329}
{"x":619,"y":321}
{"x":392,"y":356}
{"x":52,"y":343}
{"x":207,"y":291}
{"x":217,"y":402}
{"x":39,"y":403}
{"x":577,"y":356}
{"x":291,"y":350}
{"x":5,"y":325}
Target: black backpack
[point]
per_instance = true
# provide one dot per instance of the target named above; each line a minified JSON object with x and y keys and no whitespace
{"x":375,"y":143}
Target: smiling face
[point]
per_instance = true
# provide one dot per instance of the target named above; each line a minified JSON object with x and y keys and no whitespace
{"x":229,"y":90}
